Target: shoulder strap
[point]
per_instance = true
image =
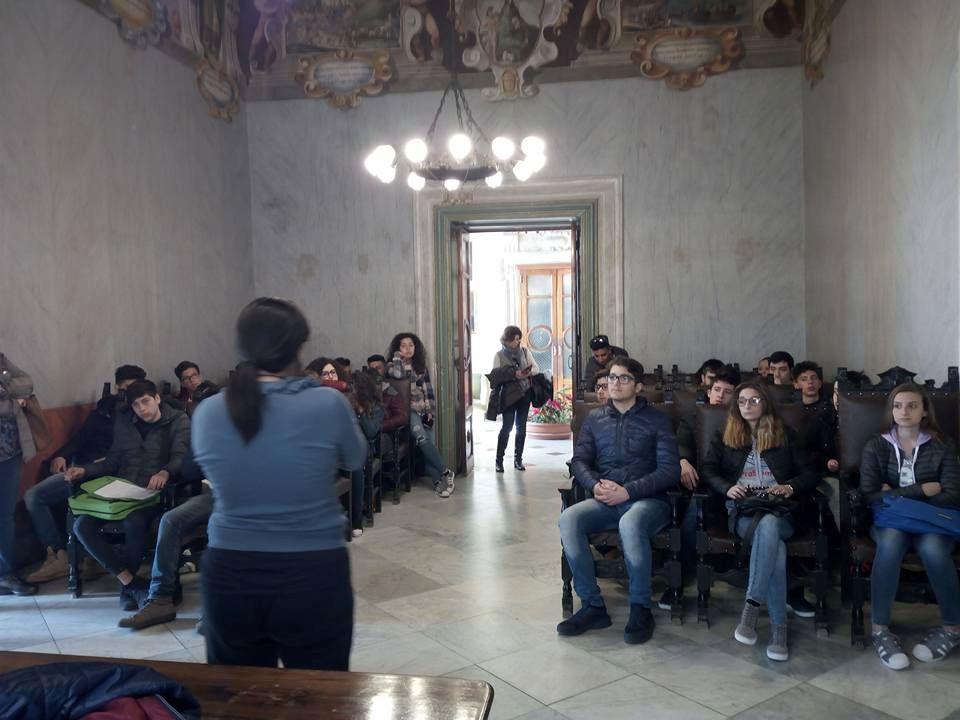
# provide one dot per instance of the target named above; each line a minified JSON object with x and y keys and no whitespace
{"x":747,"y":541}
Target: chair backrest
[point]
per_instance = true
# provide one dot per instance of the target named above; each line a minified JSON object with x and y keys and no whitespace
{"x":800,"y":420}
{"x":783,"y":394}
{"x":946,"y":404}
{"x":861,"y":416}
{"x":652,"y":396}
{"x":580,"y":412}
{"x":709,"y":421}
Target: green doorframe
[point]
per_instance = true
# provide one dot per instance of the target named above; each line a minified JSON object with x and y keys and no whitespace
{"x":446,"y":218}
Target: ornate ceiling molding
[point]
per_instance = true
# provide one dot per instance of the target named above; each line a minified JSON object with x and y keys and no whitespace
{"x":685,"y":57}
{"x":139,"y":22}
{"x":344,"y":77}
{"x":219,"y":90}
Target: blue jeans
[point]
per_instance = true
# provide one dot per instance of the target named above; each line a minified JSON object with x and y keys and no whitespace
{"x":40,"y":499}
{"x":637,"y":520}
{"x":515,"y":415}
{"x":9,"y":483}
{"x":423,"y":438}
{"x":116,"y":557}
{"x":768,"y":564}
{"x":935,"y":551}
{"x":174,"y":525}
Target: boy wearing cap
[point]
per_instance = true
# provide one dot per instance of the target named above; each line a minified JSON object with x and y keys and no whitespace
{"x":603,"y":353}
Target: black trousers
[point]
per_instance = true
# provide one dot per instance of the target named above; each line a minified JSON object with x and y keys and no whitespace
{"x":260,"y":607}
{"x":516,"y":414}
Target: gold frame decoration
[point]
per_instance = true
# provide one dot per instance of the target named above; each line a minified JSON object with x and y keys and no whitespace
{"x":343,"y":77}
{"x":219,"y":90}
{"x":684,"y":57}
{"x":815,"y":40}
{"x":139,"y":22}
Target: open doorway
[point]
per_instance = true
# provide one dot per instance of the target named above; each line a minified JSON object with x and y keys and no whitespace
{"x":519,"y":276}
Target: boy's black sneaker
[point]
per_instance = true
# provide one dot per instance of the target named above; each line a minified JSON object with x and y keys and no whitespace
{"x":798,"y":605}
{"x":588,"y":617}
{"x":639,"y":627}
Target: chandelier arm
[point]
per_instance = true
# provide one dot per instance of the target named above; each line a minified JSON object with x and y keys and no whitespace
{"x":471,"y":121}
{"x":436,"y":115}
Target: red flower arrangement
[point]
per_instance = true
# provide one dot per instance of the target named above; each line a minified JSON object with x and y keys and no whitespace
{"x":558,"y":411}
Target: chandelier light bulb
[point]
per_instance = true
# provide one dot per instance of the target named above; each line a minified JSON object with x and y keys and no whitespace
{"x":503,"y":148}
{"x":459,"y":146}
{"x":416,"y":182}
{"x":387,"y":174}
{"x":372,"y":163}
{"x":416,"y":151}
{"x":536,"y":162}
{"x":522,"y":171}
{"x":495,"y":180}
{"x":532,"y":145}
{"x":451,"y":184}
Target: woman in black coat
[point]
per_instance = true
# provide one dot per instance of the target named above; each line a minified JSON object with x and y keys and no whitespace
{"x":757,"y":452}
{"x":912,"y":459}
{"x":513,"y":366}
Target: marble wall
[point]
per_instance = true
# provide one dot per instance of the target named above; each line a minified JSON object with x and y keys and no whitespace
{"x":881,"y":189}
{"x":124,"y":208}
{"x":713,"y":208}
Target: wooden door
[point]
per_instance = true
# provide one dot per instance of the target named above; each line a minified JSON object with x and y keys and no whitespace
{"x":463,"y":351}
{"x":547,"y":321}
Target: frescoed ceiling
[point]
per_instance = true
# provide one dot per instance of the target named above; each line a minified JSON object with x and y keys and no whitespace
{"x":342,"y":50}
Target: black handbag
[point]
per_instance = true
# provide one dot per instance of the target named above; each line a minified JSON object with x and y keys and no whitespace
{"x":756,"y":506}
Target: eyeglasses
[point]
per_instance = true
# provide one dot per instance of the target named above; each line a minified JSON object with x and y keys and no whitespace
{"x":602,"y":386}
{"x":329,"y":373}
{"x":625,"y":379}
{"x":745,"y":401}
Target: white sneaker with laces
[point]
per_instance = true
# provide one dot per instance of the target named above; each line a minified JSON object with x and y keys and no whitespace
{"x":888,"y":648}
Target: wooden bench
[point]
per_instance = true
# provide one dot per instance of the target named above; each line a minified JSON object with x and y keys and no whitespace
{"x":248,"y":693}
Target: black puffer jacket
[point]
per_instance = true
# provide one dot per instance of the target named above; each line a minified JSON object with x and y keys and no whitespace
{"x":936,"y":462}
{"x":636,"y":449}
{"x":72,"y":690}
{"x":723,"y":465}
{"x":94,"y":438}
{"x":137,"y":459}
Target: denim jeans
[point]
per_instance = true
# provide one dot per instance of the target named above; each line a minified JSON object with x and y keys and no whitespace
{"x":423,"y":437}
{"x":174,"y":525}
{"x":935,"y":551}
{"x":9,"y":482}
{"x":116,"y":557}
{"x":768,"y":564}
{"x":637,"y":520}
{"x":40,"y":501}
{"x":515,"y":415}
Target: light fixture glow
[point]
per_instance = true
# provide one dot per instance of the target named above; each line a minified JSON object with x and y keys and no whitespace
{"x":372,"y":163}
{"x":532,"y":145}
{"x":415,"y":150}
{"x":536,"y":162}
{"x":459,"y":146}
{"x":416,"y":182}
{"x":522,"y":171}
{"x":451,"y":184}
{"x":502,"y":147}
{"x":495,"y":180}
{"x":387,"y":174}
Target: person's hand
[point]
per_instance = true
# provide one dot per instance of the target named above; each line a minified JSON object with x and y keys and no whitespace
{"x":610,"y":493}
{"x":58,"y":465}
{"x":784,"y":490}
{"x":22,"y":401}
{"x":521,"y":374}
{"x":735,"y":492}
{"x":74,"y":473}
{"x":158,"y":481}
{"x":886,"y":488}
{"x":931,"y":488}
{"x":833,"y":465}
{"x":688,"y":475}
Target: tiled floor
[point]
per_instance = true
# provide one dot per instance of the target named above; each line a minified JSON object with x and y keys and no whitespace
{"x":470,"y":587}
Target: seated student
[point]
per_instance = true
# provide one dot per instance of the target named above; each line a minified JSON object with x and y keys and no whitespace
{"x":912,"y":459}
{"x":808,"y":379}
{"x":157,"y":606}
{"x":379,"y":363}
{"x":90,"y":443}
{"x":720,"y":392}
{"x":188,"y":373}
{"x":150,"y":440}
{"x":763,"y":367}
{"x":756,"y":451}
{"x":407,"y":351}
{"x":329,"y":372}
{"x":781,"y":367}
{"x":602,"y":353}
{"x":601,"y":381}
{"x":708,"y":371}
{"x":626,"y":458}
{"x":344,"y":363}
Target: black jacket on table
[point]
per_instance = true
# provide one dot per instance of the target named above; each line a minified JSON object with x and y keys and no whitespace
{"x":137,"y":459}
{"x":936,"y":462}
{"x":723,"y":465}
{"x":94,"y":438}
{"x":636,"y":449}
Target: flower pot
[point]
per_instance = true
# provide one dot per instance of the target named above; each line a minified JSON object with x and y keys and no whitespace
{"x":548,"y":431}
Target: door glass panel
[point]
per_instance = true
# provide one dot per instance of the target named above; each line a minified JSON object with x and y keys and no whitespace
{"x":567,"y":311}
{"x":539,"y":312}
{"x":567,"y":284}
{"x":540,"y":285}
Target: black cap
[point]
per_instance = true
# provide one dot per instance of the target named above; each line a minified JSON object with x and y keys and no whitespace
{"x":599,"y":342}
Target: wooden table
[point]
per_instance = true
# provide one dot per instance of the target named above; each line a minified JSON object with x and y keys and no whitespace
{"x":246,"y":693}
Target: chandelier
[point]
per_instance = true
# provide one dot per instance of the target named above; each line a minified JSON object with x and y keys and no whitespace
{"x":468,"y":156}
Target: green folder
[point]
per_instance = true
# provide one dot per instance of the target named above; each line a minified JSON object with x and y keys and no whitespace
{"x":87,"y":502}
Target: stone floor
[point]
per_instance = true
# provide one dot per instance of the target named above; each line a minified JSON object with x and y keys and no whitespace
{"x":470,"y":587}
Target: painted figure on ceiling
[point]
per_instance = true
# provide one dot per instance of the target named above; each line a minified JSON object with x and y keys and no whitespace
{"x":211,"y":26}
{"x":269,"y":43}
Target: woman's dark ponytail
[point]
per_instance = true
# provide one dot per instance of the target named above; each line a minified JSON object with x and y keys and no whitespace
{"x":270,"y":333}
{"x":245,"y":401}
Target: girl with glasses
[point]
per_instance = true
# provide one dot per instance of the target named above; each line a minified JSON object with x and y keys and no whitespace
{"x":757,"y":452}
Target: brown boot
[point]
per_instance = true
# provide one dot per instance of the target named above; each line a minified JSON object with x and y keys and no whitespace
{"x":157,"y":610}
{"x":55,"y":566}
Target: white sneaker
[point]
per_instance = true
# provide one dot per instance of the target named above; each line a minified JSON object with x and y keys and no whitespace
{"x":889,"y":650}
{"x":357,"y":532}
{"x":443,"y":490}
{"x":448,"y":476}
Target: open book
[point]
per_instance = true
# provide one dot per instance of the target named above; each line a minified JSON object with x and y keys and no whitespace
{"x":123,"y":490}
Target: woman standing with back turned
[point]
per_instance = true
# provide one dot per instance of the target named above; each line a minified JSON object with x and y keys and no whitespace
{"x":276,"y":576}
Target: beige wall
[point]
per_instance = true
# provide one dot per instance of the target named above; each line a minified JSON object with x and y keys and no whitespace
{"x":124,"y":208}
{"x":881,"y":187}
